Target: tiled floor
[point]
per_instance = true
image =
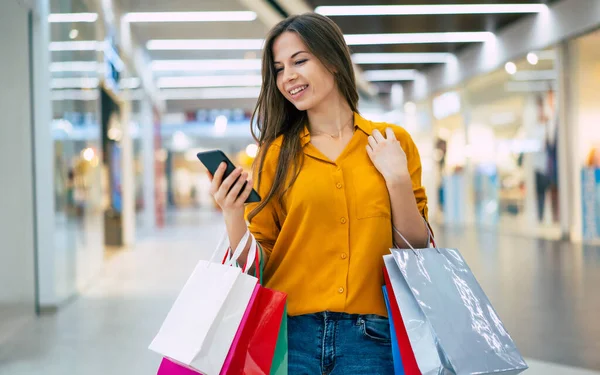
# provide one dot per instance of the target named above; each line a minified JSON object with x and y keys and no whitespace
{"x":544,"y":292}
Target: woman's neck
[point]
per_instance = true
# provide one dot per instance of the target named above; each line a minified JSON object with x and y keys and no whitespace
{"x":331,"y":117}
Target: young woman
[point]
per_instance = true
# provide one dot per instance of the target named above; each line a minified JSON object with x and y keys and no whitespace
{"x":334,"y":185}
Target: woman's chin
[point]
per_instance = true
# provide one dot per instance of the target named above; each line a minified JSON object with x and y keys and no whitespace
{"x":303,"y":105}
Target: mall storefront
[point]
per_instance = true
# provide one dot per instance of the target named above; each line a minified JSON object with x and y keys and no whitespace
{"x":501,"y":162}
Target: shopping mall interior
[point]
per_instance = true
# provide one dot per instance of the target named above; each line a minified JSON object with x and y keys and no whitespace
{"x":106,"y":209}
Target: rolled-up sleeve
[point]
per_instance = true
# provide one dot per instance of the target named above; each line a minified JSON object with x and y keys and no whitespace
{"x":414,"y":169}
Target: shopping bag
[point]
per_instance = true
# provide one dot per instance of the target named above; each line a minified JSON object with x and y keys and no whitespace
{"x":202,"y":323}
{"x":280,"y":358}
{"x":469,"y":337}
{"x":416,"y":340}
{"x":169,"y":367}
{"x":254,"y":351}
{"x":398,"y":367}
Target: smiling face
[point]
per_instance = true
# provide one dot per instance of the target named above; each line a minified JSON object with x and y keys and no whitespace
{"x":301,"y":77}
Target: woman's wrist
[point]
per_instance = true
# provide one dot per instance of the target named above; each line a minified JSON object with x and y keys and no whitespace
{"x":234,"y":216}
{"x":398,"y":182}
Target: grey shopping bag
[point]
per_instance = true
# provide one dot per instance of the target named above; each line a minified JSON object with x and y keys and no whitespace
{"x":469,"y":336}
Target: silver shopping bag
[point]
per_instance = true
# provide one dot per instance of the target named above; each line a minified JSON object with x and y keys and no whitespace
{"x":419,"y":332}
{"x":469,"y":336}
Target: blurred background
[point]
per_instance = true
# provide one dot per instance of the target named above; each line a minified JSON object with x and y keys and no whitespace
{"x":105,"y":103}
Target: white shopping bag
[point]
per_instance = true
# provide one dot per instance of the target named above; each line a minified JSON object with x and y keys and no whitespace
{"x":203,"y":321}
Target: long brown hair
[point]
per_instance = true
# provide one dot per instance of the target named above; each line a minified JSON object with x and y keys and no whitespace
{"x":274,"y":115}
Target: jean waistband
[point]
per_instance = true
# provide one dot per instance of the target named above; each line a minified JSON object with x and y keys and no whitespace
{"x":336,"y":316}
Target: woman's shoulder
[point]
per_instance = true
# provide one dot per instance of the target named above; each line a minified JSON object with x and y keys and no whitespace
{"x":401,"y":134}
{"x":271,"y":152}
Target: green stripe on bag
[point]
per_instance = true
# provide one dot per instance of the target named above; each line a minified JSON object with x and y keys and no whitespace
{"x":280,"y":359}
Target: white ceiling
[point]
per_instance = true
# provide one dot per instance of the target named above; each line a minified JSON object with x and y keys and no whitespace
{"x":195,"y":30}
{"x":257,"y":29}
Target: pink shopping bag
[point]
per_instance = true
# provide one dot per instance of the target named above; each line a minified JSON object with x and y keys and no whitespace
{"x":168,"y":367}
{"x":236,"y":339}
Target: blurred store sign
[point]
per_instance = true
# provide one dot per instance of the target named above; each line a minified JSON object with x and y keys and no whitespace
{"x":590,"y":189}
{"x":446,"y":105}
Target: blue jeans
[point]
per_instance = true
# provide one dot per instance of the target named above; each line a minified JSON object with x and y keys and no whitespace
{"x":339,"y":344}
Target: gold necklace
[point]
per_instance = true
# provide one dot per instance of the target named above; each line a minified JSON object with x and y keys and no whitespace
{"x":332,"y":136}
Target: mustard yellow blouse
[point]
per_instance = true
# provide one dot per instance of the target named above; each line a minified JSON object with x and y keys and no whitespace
{"x":326,"y":253}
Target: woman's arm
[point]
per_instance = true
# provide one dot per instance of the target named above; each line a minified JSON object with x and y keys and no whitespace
{"x":397,"y":159}
{"x":264,"y":226}
{"x":226,"y":193}
{"x":406,"y":217}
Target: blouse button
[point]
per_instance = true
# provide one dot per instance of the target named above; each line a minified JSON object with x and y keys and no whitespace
{"x":344,"y":256}
{"x":343,"y":220}
{"x":341,"y":290}
{"x":339,"y":185}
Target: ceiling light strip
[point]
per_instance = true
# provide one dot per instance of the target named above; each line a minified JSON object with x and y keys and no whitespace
{"x":390,"y":75}
{"x":209,"y":81}
{"x":433,"y":9}
{"x":78,"y":45}
{"x":74,"y":66}
{"x":353,"y":39}
{"x":402,"y":58}
{"x":74,"y":83}
{"x":204,"y":44}
{"x":206,"y":65}
{"x":213,"y":93}
{"x":72,"y":17}
{"x":146,"y":17}
{"x":418,"y":38}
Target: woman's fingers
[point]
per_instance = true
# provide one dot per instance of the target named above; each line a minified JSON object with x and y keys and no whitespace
{"x":378,"y":136}
{"x":246,"y":193}
{"x":372,"y":142}
{"x":230,"y":180}
{"x":217,"y":179}
{"x":389,"y":133}
{"x":235,"y":189}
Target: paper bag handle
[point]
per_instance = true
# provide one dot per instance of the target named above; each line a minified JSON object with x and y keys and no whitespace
{"x":430,"y":239}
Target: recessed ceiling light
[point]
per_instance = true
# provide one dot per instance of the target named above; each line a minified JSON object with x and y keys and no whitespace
{"x":532,"y":58}
{"x":510,"y":67}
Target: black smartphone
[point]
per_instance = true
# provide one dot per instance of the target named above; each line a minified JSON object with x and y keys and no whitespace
{"x":212,"y":160}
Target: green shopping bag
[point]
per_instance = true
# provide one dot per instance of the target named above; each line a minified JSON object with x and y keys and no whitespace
{"x":280,"y":359}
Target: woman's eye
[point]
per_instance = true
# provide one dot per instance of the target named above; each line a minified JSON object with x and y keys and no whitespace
{"x":278,"y":70}
{"x":299,"y":62}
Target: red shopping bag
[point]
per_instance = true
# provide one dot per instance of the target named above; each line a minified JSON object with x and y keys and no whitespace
{"x":255,"y":349}
{"x":409,"y":361}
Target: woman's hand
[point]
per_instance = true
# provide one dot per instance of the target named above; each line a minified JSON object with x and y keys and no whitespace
{"x":228,"y":193}
{"x":388,"y":156}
